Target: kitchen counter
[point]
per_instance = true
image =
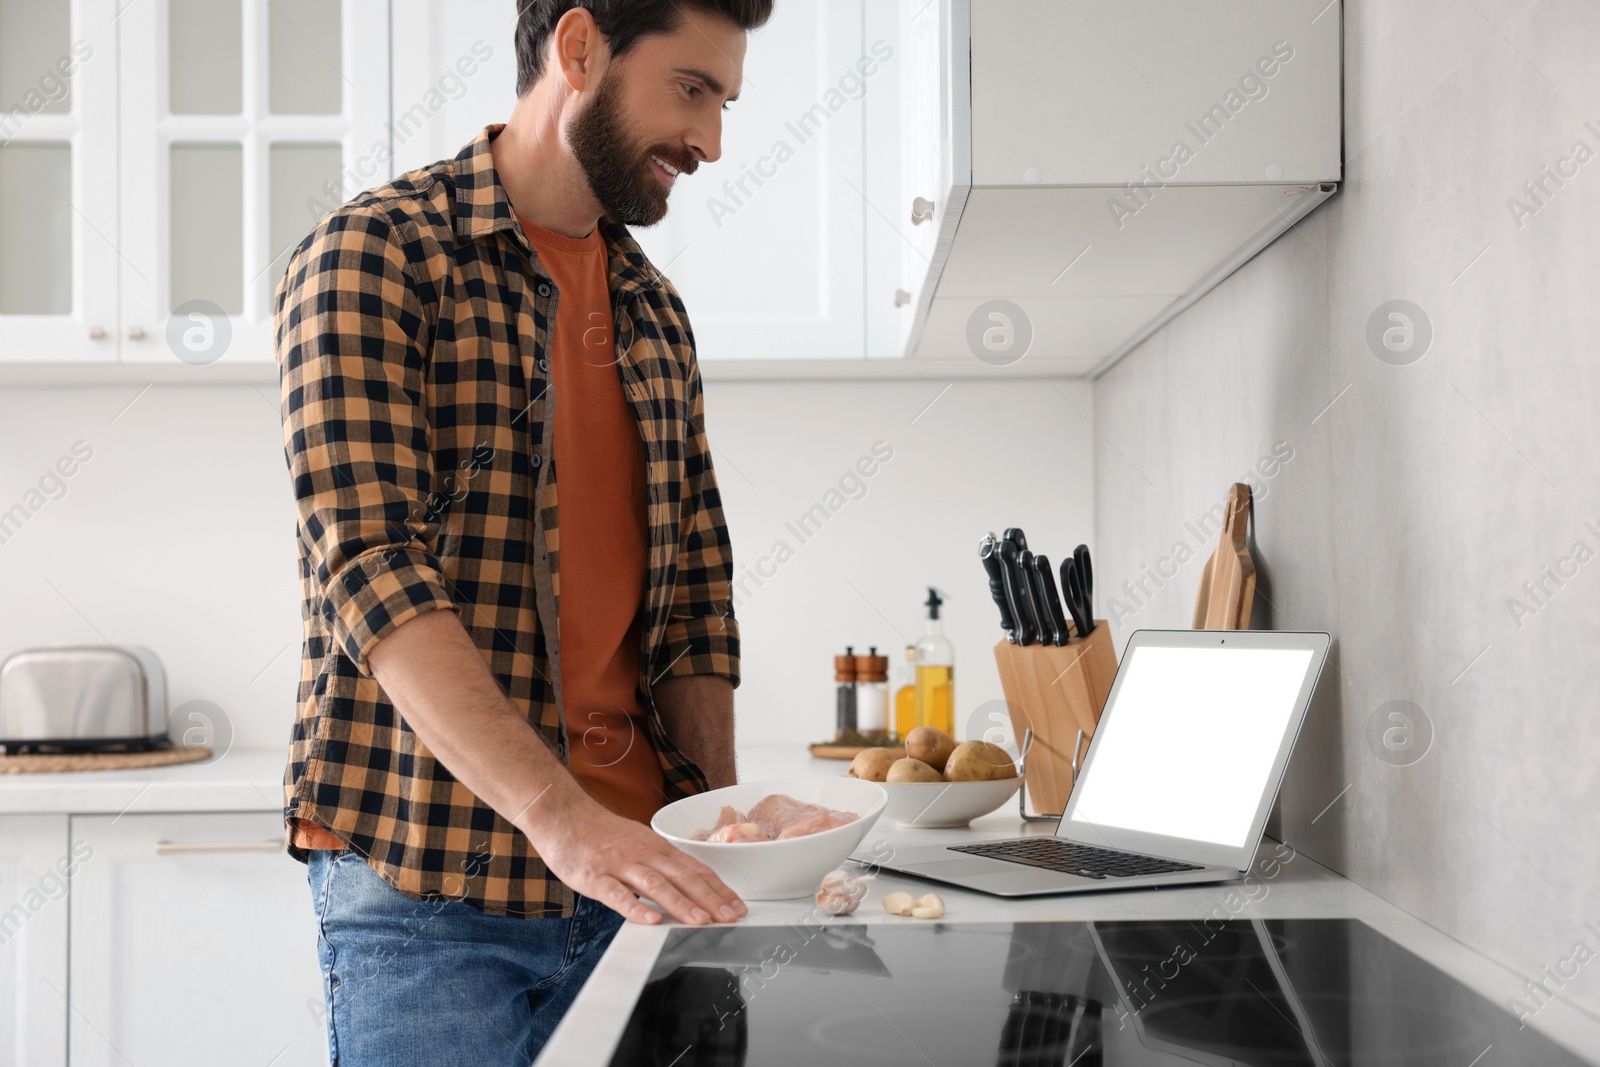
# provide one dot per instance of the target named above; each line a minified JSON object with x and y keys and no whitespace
{"x":243,"y":779}
{"x":1293,"y":887}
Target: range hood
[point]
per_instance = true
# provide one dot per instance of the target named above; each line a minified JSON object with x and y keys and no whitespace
{"x":1105,"y":163}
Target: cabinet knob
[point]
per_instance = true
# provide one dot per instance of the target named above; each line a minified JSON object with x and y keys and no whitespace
{"x":136,"y":333}
{"x":97,"y":333}
{"x":902,"y":297}
{"x":921,"y":210}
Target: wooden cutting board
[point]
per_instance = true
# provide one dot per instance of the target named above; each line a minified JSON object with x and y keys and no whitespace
{"x":1228,"y":584}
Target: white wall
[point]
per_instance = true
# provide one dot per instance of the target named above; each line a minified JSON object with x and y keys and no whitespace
{"x":177,"y":533}
{"x":1420,"y":498}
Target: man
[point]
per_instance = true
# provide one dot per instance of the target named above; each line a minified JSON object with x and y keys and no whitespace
{"x":493,"y":701}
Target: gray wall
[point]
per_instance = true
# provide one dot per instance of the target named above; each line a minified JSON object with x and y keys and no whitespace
{"x":1417,"y":505}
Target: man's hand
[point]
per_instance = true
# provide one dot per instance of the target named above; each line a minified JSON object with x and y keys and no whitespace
{"x":608,"y":858}
{"x":444,"y":691}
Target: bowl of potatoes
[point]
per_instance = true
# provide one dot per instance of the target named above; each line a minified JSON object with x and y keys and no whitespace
{"x":939,"y":783}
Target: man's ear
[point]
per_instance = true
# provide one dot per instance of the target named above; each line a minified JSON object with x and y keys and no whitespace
{"x":580,"y":49}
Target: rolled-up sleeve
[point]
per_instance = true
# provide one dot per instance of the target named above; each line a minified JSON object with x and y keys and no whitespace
{"x":352,"y":343}
{"x":702,"y":634}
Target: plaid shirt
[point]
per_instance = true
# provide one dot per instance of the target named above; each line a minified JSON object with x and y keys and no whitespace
{"x":412,"y":327}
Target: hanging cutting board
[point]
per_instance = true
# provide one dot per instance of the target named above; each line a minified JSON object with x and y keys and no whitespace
{"x":1228,"y":584}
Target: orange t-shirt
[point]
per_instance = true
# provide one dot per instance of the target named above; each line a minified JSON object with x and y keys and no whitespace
{"x":604,"y":541}
{"x":605,"y":534}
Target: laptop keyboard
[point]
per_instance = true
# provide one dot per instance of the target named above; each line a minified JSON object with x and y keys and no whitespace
{"x":1069,"y":857}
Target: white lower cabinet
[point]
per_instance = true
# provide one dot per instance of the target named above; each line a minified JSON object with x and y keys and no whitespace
{"x":193,"y":942}
{"x":36,"y":861}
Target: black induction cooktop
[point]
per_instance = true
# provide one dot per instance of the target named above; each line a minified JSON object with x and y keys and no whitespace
{"x":1104,"y":994}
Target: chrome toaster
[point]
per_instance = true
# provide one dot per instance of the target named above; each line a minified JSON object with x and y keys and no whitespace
{"x":88,"y":696}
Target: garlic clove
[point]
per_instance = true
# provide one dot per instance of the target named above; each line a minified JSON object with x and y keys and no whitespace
{"x":928,"y":906}
{"x":842,"y":891}
{"x":898,"y":903}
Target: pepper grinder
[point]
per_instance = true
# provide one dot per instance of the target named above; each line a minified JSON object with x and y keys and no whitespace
{"x":844,"y":673}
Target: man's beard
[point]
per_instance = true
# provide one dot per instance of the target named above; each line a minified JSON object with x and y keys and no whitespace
{"x":619,"y":172}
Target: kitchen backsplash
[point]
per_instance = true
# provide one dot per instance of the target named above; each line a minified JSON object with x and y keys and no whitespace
{"x":163,"y":516}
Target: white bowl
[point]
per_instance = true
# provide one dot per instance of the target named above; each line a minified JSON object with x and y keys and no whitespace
{"x":774,"y":870}
{"x":940,"y":805}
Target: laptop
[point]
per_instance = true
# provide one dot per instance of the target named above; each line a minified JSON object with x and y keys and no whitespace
{"x":1179,"y":778}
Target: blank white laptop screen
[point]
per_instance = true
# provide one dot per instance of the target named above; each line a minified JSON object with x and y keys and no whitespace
{"x":1187,"y":749}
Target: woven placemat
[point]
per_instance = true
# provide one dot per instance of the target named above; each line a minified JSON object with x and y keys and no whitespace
{"x":54,"y":762}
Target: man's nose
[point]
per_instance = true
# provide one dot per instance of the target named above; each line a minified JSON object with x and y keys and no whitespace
{"x":705,"y":141}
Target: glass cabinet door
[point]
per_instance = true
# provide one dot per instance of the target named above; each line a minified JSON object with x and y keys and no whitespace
{"x":58,"y":192}
{"x":243,"y":122}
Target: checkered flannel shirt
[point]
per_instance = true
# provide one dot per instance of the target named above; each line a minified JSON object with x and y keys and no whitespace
{"x":413,"y":329}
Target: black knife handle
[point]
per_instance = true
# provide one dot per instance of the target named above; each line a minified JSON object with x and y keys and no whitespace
{"x":1047,"y":624}
{"x":1085,"y":568}
{"x":989,"y":553}
{"x":1072,"y":593}
{"x":1030,"y":601}
{"x":1011,"y":577}
{"x":1015,"y":535}
{"x":1046,"y":582}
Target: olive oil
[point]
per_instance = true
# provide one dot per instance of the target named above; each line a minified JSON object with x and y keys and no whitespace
{"x":905,"y":697}
{"x":936,"y":666}
{"x":936,"y":698}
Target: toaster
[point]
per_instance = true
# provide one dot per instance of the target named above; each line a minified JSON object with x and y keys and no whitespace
{"x":88,"y":696}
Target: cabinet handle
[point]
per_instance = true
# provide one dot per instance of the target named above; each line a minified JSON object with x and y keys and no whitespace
{"x":190,"y":848}
{"x":902,"y":297}
{"x":136,"y":333}
{"x":97,"y":333}
{"x":921,"y":210}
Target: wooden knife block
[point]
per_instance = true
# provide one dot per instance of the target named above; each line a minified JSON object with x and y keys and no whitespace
{"x":1056,"y":690}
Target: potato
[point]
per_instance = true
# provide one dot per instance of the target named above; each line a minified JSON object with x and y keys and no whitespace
{"x":931,"y":745}
{"x":872,"y":764}
{"x":979,"y":761}
{"x":911,"y":770}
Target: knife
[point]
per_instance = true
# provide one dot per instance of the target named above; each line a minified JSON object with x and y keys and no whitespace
{"x":989,"y":553}
{"x":1045,"y":584}
{"x":1010,"y":577}
{"x":1030,"y":602}
{"x":1085,"y":569}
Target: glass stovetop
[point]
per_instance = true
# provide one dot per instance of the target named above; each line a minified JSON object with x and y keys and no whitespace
{"x":1292,"y":991}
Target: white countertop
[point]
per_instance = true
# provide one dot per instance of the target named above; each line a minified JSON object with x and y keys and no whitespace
{"x":251,"y":780}
{"x":242,"y":779}
{"x":1298,"y":888}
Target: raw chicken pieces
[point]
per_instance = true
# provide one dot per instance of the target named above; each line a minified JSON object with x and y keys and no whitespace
{"x":774,"y":818}
{"x":738,"y":831}
{"x":782,"y":816}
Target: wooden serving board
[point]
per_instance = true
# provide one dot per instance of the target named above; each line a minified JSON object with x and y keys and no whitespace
{"x":827,"y":750}
{"x":1228,"y":583}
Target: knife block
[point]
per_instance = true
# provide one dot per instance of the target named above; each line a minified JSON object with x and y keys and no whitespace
{"x":1056,"y":690}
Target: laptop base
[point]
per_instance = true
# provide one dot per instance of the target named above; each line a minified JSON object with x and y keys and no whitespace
{"x":1000,"y":878}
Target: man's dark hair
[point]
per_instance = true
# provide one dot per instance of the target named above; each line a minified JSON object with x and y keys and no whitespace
{"x":623,"y":22}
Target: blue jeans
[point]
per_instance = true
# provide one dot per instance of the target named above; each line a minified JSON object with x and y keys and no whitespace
{"x":438,"y":982}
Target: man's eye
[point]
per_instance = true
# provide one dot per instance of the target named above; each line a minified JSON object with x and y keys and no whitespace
{"x":691,"y":90}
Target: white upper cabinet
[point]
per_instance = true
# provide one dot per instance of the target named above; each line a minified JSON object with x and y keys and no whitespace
{"x":1112,"y":161}
{"x":454,"y":72}
{"x":244,"y":122}
{"x":59,"y":202}
{"x":767,"y":245}
{"x":892,"y":169}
